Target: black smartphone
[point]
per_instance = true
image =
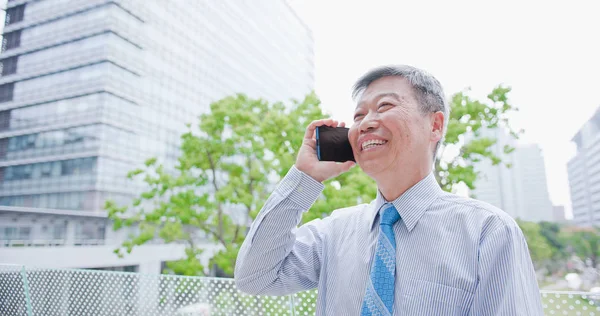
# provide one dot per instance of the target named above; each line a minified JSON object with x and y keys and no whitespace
{"x":333,"y":144}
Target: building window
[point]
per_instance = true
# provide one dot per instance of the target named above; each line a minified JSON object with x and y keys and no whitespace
{"x":9,"y":65}
{"x":6,"y":92}
{"x":11,"y":40}
{"x":4,"y":120}
{"x":24,"y":233}
{"x":59,"y":231}
{"x":3,"y":150}
{"x":16,"y":233}
{"x":52,"y":169}
{"x":14,"y":14}
{"x":6,"y":95}
{"x":58,"y":141}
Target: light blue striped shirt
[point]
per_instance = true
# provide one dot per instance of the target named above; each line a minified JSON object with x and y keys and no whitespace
{"x":454,"y":256}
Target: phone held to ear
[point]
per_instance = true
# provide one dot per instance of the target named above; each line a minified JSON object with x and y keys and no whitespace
{"x":333,"y":144}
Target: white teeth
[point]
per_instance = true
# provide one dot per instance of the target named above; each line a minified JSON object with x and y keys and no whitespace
{"x":372,"y":143}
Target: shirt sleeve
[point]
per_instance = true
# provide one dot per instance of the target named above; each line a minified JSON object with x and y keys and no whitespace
{"x":507,"y":283}
{"x":277,"y":257}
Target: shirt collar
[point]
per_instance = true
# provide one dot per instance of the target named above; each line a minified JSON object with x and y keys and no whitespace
{"x":411,"y":204}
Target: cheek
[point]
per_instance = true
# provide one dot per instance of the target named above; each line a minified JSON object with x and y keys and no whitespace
{"x":352,"y":136}
{"x":405,"y":134}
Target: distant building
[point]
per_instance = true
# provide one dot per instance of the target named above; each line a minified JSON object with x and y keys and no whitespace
{"x":520,"y":190}
{"x":584,"y":174}
{"x":496,"y":184}
{"x":530,"y":174}
{"x":89,"y":89}
{"x":559,"y":214}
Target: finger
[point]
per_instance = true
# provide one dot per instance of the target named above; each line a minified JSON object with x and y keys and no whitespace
{"x":311,"y":143}
{"x":310,"y":130}
{"x":342,"y":124}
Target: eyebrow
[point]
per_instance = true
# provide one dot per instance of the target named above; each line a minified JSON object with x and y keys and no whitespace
{"x":394,"y":95}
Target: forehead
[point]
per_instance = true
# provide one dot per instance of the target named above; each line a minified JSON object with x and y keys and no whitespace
{"x":392,"y":86}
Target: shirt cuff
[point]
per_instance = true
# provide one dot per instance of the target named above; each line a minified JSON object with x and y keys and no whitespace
{"x":300,"y":188}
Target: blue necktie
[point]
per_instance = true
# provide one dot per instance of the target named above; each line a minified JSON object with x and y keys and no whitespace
{"x":379,"y":297}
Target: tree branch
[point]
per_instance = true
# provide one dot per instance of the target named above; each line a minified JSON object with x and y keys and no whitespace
{"x":250,"y":188}
{"x":213,"y":170}
{"x":190,"y":236}
{"x":219,"y":208}
{"x":236,"y":233}
{"x":217,"y":236}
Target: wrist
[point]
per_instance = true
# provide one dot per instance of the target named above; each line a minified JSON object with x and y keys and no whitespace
{"x":308,"y":173}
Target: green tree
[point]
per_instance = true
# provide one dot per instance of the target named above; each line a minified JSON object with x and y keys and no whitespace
{"x":584,"y":242}
{"x":469,"y":116}
{"x":224,"y":175}
{"x":539,"y":248}
{"x":551,"y":232}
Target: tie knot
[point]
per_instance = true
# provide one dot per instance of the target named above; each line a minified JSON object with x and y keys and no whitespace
{"x":390,"y":216}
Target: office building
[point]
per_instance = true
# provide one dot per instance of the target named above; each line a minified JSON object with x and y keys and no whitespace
{"x":559,"y":214}
{"x":584,"y":174}
{"x":496,"y":184}
{"x":530,"y":172}
{"x":520,"y":189}
{"x":89,"y":89}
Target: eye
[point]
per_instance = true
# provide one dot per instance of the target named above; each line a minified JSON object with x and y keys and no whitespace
{"x":358,"y":116}
{"x":384,"y":106}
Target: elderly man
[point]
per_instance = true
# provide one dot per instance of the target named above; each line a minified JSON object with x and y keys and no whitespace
{"x":415,"y":249}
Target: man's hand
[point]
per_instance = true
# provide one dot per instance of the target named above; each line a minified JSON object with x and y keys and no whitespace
{"x":307,"y":160}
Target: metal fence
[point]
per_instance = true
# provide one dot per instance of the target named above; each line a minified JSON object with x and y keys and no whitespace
{"x":34,"y":291}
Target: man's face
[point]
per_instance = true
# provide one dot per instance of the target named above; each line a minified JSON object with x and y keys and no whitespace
{"x":389,"y":130}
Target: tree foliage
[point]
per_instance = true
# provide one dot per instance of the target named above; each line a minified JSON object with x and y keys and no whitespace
{"x":540,"y":249}
{"x":225,"y":173}
{"x":584,"y":242}
{"x":469,"y":117}
{"x":552,"y":233}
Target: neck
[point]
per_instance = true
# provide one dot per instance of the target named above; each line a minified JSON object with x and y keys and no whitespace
{"x":393,"y":184}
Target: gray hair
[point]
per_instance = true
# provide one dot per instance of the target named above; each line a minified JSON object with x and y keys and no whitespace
{"x":427,"y":90}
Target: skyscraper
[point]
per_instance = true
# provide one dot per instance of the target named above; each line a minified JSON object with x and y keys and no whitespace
{"x":584,"y":174}
{"x":521,"y":190}
{"x":496,"y":184}
{"x":532,"y":184}
{"x":89,"y":89}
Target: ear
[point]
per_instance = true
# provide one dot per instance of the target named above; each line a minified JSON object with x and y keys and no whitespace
{"x":437,"y":126}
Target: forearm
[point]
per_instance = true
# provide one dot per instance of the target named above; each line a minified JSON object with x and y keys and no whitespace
{"x":274,"y":259}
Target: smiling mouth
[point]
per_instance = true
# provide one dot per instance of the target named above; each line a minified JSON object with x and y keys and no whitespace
{"x":372,"y":144}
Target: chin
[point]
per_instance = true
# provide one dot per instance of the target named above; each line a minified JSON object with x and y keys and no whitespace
{"x":371,"y":167}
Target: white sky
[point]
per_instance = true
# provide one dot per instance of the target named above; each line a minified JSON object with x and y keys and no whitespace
{"x":547,"y":51}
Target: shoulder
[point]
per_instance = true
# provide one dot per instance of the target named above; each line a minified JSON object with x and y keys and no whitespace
{"x":488,"y":217}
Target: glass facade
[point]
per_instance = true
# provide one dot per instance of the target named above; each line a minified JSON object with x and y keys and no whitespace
{"x":65,"y":201}
{"x":88,"y":94}
{"x":49,"y":114}
{"x":58,"y":142}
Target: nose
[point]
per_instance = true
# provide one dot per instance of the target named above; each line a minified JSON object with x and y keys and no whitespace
{"x":369,"y":122}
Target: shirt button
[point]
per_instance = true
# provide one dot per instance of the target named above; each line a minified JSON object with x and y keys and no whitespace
{"x":299,"y":189}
